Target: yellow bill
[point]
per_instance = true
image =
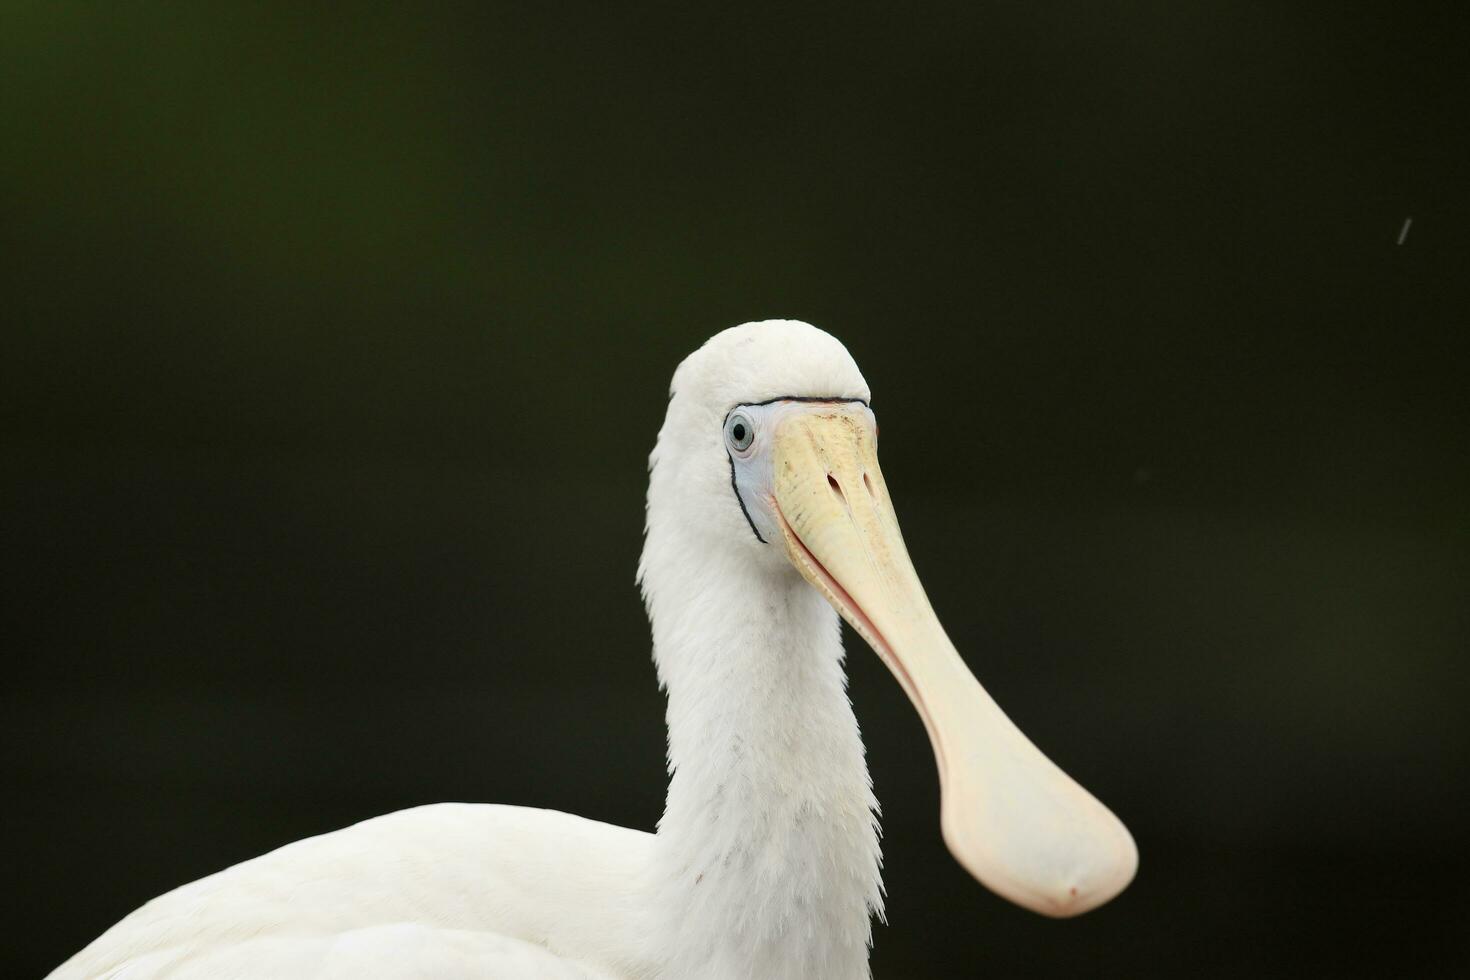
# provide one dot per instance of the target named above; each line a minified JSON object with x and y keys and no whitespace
{"x":1014,"y":820}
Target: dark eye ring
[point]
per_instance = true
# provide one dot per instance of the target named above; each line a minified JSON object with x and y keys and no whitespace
{"x":739,"y":433}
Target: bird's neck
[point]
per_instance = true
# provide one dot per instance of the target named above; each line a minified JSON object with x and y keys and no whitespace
{"x":768,"y":846}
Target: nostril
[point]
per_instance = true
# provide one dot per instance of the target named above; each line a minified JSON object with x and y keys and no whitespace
{"x":836,"y":487}
{"x":869,"y":484}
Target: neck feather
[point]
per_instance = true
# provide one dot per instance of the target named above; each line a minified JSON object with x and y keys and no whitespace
{"x":768,"y":847}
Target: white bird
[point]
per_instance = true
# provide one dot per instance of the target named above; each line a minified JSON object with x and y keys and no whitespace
{"x":767,"y":517}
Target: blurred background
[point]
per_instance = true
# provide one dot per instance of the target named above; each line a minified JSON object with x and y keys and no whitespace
{"x":336,"y":338}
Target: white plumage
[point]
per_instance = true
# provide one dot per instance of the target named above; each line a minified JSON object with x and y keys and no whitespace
{"x":766,"y":861}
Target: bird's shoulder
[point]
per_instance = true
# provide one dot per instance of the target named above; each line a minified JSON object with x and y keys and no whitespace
{"x":508,"y":875}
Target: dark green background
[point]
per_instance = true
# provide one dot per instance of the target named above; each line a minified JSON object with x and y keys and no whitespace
{"x":335,"y":340}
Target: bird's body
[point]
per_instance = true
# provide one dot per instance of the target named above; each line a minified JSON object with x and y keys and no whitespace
{"x":766,"y":516}
{"x":764,"y":865}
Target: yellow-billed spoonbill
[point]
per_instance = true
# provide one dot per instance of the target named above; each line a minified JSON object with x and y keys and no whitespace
{"x":767,"y":518}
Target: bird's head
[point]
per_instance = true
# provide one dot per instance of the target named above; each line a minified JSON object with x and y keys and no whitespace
{"x":767,"y":460}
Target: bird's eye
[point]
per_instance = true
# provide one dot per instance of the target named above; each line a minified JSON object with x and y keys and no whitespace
{"x":739,"y":433}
